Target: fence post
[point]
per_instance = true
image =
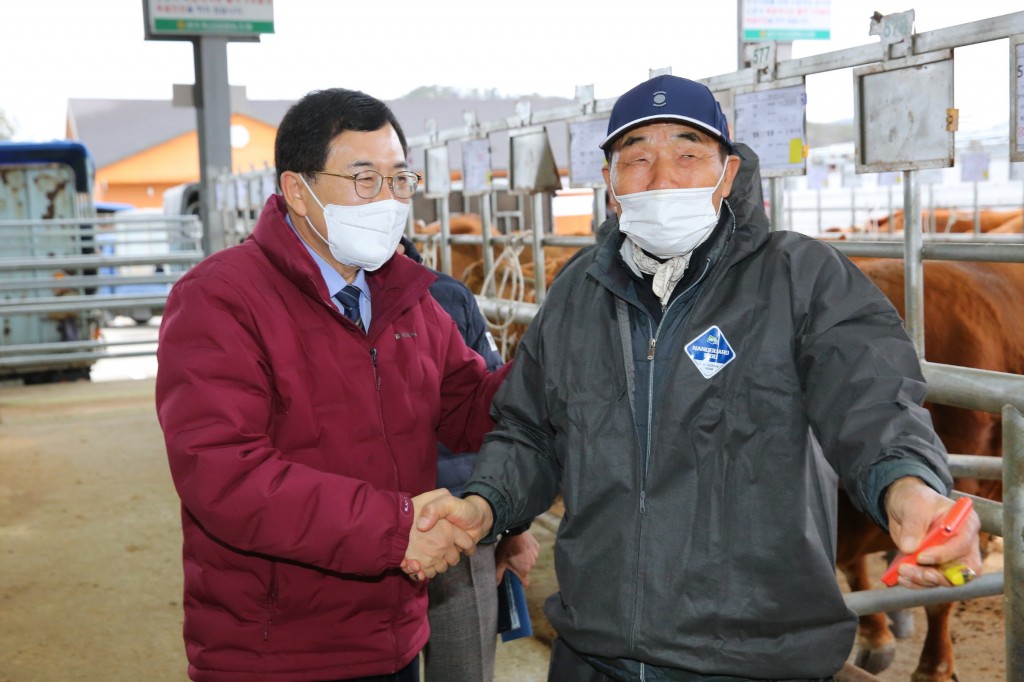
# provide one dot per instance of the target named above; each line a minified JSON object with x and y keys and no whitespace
{"x":488,"y":251}
{"x":1013,"y":541}
{"x":912,"y":265}
{"x":539,"y":282}
{"x":446,"y":231}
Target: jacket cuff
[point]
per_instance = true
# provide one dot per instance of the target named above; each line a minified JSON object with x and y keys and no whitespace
{"x":399,"y":540}
{"x":516,"y":530}
{"x":499,"y":508}
{"x":886,"y":472}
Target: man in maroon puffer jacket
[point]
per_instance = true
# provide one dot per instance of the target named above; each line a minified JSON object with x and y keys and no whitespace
{"x":305,"y":377}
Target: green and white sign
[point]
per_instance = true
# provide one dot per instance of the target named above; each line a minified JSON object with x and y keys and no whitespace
{"x":786,"y":20}
{"x":227,"y":18}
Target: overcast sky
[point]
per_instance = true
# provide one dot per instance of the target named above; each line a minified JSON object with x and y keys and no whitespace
{"x":59,"y":49}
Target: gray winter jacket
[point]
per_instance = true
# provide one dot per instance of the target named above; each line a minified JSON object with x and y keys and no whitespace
{"x":709,"y":547}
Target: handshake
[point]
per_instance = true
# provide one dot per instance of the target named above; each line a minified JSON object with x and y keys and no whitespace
{"x":444,"y":527}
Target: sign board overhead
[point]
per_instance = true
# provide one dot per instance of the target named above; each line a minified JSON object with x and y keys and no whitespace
{"x":224,"y":18}
{"x":786,"y":20}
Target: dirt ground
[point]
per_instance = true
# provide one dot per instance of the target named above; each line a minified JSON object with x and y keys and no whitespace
{"x":90,"y":576}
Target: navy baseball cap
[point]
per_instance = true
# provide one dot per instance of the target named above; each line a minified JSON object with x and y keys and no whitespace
{"x":667,"y":98}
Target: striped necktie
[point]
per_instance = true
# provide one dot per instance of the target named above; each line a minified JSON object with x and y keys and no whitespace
{"x":349,"y":300}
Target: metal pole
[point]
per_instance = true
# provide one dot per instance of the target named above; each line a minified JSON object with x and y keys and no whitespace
{"x":817,"y":204}
{"x":776,"y":189}
{"x":912,"y":263}
{"x":890,"y":599}
{"x":410,"y":223}
{"x":446,"y":231}
{"x":977,"y":214}
{"x":741,"y":62}
{"x":931,"y":208}
{"x":600,"y":206}
{"x":539,"y":282}
{"x":1013,"y":541}
{"x":890,"y":209}
{"x":213,"y":124}
{"x":488,"y":251}
{"x":853,"y":206}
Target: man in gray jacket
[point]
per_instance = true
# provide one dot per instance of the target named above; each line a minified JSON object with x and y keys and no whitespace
{"x":696,"y":389}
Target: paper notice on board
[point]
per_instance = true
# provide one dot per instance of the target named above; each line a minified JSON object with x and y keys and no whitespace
{"x":439,"y":174}
{"x":476,"y":166}
{"x":586,"y":159}
{"x":772,"y":123}
{"x":974,"y":167}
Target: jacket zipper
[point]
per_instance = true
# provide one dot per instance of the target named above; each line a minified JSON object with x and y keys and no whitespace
{"x":380,"y":413}
{"x":383,"y":431}
{"x":376,"y":376}
{"x":651,"y":346}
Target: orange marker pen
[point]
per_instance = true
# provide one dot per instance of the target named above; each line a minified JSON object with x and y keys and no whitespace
{"x":949,"y":527}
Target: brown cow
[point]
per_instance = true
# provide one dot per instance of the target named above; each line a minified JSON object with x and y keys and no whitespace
{"x":947,"y":220}
{"x":1011,"y":226}
{"x":972,"y":319}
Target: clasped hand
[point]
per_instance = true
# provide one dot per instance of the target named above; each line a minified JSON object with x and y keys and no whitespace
{"x":444,"y":527}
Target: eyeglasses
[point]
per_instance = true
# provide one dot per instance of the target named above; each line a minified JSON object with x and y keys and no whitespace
{"x":368,"y":183}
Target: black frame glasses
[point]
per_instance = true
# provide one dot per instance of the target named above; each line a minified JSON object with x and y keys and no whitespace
{"x":405,"y":189}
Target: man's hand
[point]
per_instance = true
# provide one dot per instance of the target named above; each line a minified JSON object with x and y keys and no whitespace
{"x":913,"y":507}
{"x":517,"y":553}
{"x":472,"y":516}
{"x":437,"y":548}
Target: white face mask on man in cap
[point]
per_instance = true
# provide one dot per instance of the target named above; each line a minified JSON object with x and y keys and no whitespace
{"x":669,"y":222}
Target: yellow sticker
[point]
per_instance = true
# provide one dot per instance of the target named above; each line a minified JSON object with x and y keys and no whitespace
{"x":796,"y":150}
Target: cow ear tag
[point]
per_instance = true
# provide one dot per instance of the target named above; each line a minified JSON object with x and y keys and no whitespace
{"x":710,"y":352}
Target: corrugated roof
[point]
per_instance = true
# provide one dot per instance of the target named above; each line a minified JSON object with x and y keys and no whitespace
{"x":115,"y":129}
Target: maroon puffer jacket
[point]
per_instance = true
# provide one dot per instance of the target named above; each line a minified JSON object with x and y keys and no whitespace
{"x":295,"y":443}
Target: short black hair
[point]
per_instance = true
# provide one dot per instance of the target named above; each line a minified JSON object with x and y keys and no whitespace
{"x":305,"y":134}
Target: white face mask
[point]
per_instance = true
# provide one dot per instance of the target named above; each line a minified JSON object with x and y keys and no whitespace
{"x":365,"y":235}
{"x":669,"y":222}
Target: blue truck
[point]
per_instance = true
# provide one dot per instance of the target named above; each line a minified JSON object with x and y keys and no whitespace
{"x":45,"y":188}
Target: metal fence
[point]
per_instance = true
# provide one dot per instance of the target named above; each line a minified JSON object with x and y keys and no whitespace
{"x":123,"y":265}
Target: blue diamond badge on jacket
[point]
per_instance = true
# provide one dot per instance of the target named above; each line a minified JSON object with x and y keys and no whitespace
{"x":710,"y":352}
